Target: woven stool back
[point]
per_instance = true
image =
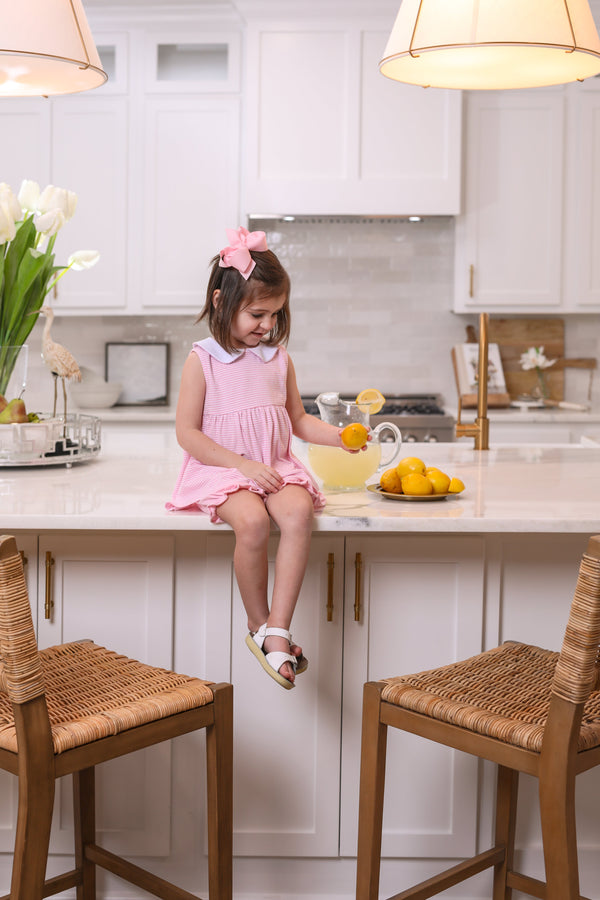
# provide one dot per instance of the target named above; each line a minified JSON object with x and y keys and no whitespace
{"x":22,"y":673}
{"x":578,"y":664}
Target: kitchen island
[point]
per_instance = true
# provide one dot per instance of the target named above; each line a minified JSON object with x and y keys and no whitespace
{"x":105,"y":560}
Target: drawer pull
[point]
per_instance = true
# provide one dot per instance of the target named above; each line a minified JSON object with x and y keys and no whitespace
{"x":330,"y":569}
{"x":471,"y":279}
{"x":48,"y":601}
{"x":357,"y":586}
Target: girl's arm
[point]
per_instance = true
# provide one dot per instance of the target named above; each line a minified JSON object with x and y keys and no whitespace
{"x":188,"y":422}
{"x":304,"y":426}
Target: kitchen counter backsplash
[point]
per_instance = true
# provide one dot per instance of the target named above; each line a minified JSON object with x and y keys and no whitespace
{"x":370,"y":308}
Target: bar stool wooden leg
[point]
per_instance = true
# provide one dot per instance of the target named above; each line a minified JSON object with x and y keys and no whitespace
{"x":36,"y":800}
{"x":84,"y":815}
{"x":219,"y":795}
{"x":372,"y":783}
{"x":506,"y":818}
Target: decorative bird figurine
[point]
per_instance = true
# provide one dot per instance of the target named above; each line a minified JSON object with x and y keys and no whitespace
{"x":58,"y":359}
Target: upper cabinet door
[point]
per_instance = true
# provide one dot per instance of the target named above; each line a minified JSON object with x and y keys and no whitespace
{"x":190,"y":196}
{"x":509,"y":239}
{"x":582,"y":237}
{"x":326,"y":133}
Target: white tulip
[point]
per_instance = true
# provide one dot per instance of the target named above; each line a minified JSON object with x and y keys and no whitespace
{"x":534,"y":358}
{"x":83,"y":259}
{"x":7,"y":224}
{"x":50,"y":222}
{"x":58,"y":198}
{"x":11,"y":205}
{"x":29,"y":195}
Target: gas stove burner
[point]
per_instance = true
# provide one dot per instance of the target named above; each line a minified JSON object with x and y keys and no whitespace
{"x":412,"y":408}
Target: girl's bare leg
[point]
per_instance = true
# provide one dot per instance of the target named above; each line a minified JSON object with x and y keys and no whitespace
{"x":292,"y":510}
{"x":246,"y":514}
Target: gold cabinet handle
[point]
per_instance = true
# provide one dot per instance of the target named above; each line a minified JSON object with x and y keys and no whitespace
{"x":48,"y":601}
{"x":330,"y":570}
{"x":471,"y":279}
{"x":357,"y":586}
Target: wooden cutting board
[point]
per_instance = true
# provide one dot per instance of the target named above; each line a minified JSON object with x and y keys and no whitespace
{"x":514,"y":336}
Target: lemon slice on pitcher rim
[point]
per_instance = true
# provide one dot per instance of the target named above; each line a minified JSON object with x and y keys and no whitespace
{"x":370,"y":401}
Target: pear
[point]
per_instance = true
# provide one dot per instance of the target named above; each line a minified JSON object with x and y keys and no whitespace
{"x":3,"y":402}
{"x":14,"y":412}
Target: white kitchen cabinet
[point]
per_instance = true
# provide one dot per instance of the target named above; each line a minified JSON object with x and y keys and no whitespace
{"x":89,"y":156}
{"x":190,"y":196}
{"x":582,"y":192}
{"x":333,"y":136}
{"x":286,"y":743}
{"x":418,"y":604}
{"x":117,"y":591}
{"x":509,"y":239}
{"x":79,"y":142}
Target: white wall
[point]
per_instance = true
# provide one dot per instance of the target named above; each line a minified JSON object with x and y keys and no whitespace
{"x":370,"y":308}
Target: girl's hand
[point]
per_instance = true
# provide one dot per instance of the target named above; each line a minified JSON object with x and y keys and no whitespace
{"x":347,"y":449}
{"x":267,"y":478}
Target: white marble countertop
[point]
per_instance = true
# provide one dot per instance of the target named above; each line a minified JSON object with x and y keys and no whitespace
{"x":546,"y":488}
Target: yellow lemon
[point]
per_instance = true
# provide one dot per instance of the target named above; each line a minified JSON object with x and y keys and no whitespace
{"x":354,"y":436}
{"x":455,"y":486}
{"x":391,"y":482}
{"x":439,"y":481}
{"x":415,"y":483}
{"x":410,"y":464}
{"x":370,"y":401}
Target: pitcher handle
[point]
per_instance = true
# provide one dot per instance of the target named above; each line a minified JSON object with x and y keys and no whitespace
{"x":394,"y":447}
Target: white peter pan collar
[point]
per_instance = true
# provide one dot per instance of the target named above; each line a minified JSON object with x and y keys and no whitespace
{"x":265,"y":352}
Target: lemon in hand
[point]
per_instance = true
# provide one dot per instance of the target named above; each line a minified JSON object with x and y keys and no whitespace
{"x":370,"y":401}
{"x":455,"y":486}
{"x":354,"y":436}
{"x":416,"y":484}
{"x":391,"y":482}
{"x":410,"y":464}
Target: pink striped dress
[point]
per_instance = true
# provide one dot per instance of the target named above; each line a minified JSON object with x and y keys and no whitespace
{"x":244,"y":410}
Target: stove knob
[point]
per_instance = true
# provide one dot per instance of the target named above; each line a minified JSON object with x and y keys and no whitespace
{"x":409,"y":439}
{"x":430,"y":439}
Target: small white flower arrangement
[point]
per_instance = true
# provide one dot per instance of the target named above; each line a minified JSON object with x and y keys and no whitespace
{"x":534,"y":358}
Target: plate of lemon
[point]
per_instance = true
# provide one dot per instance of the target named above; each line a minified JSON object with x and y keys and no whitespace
{"x":411,"y":479}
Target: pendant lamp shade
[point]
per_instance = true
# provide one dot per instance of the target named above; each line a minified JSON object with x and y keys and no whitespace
{"x":492,"y":44}
{"x":46,"y":47}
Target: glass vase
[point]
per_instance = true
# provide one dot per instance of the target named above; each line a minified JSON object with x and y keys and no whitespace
{"x":13,"y":370}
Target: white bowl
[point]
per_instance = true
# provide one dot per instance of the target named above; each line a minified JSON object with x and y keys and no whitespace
{"x":95,"y":394}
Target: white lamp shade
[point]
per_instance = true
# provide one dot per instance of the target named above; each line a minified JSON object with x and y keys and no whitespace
{"x":46,"y":47}
{"x":492,"y":44}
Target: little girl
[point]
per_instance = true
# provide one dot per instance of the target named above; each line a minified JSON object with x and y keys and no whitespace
{"x":238,"y":408}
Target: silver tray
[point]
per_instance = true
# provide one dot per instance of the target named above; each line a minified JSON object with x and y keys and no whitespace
{"x":51,"y":441}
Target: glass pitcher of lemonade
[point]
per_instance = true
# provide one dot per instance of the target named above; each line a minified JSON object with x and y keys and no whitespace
{"x":343,"y":471}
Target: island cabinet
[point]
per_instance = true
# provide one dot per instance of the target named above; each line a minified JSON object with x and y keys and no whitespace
{"x":372,"y":605}
{"x":326,"y":133}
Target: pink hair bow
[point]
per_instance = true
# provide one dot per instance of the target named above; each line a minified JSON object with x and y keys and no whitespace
{"x":237,"y":254}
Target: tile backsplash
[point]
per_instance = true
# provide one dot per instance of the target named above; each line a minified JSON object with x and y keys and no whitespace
{"x":371,"y":307}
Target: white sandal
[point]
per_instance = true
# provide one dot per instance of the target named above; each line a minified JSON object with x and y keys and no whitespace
{"x":272,"y":662}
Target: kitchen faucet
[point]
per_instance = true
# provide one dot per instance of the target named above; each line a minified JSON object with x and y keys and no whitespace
{"x":480,"y":428}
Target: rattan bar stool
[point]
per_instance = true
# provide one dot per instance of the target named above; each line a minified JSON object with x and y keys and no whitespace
{"x":525,"y":709}
{"x":65,"y":709}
